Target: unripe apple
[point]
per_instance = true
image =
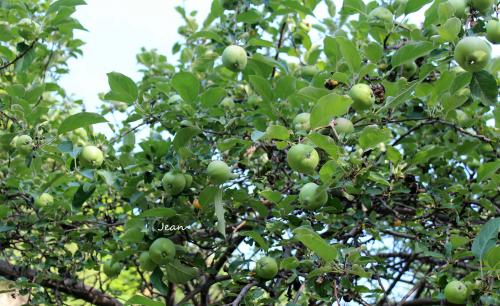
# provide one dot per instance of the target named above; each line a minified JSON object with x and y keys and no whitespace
{"x":456,"y":292}
{"x":482,"y":5}
{"x":308,"y":72}
{"x":301,"y":122}
{"x":472,"y":54}
{"x":13,"y":142}
{"x":189,"y":180}
{"x":303,"y":158}
{"x":380,"y":16}
{"x":493,"y":31}
{"x":311,"y":197}
{"x":44,"y":199}
{"x":460,"y":7}
{"x":145,"y":262}
{"x":24,"y":144}
{"x":234,"y":58}
{"x":266,"y":268}
{"x":409,"y":69}
{"x":227,"y":103}
{"x":362,"y":96}
{"x":343,"y":126}
{"x":162,"y":251}
{"x":219,"y":172}
{"x":174,"y":183}
{"x":91,"y":157}
{"x":112,"y":269}
{"x":305,"y":25}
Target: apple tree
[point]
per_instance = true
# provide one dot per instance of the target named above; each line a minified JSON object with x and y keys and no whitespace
{"x":298,"y":152}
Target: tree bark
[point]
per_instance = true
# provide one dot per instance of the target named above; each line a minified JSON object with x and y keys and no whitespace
{"x":69,"y":286}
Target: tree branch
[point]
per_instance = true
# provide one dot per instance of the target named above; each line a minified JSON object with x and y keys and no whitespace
{"x":19,"y":56}
{"x":69,"y":286}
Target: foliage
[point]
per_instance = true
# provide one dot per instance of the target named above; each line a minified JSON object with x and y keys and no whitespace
{"x":411,"y":176}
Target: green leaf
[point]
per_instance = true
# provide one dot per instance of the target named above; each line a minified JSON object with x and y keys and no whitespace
{"x":415,"y":5}
{"x":187,"y":85}
{"x":249,"y":17}
{"x":349,"y":52}
{"x":372,"y":135}
{"x":374,"y":52}
{"x":492,"y":257}
{"x":329,"y":107}
{"x":157,"y":281}
{"x":142,"y":300}
{"x":277,"y":132}
{"x":179,"y":273}
{"x":82,"y":194}
{"x":411,"y":52}
{"x":206,"y":34}
{"x":450,"y":30}
{"x":261,"y":86}
{"x":184,"y":135}
{"x":64,"y":3}
{"x":159,"y":212}
{"x":486,"y":239}
{"x":257,"y":238}
{"x":326,"y":143}
{"x":484,"y":87}
{"x":79,"y":120}
{"x":315,"y":243}
{"x":285,"y":86}
{"x":486,"y":170}
{"x":212,"y":96}
{"x":122,"y":87}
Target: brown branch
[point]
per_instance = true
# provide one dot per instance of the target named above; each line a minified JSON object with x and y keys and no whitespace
{"x":69,"y":286}
{"x":19,"y":56}
{"x":242,"y":293}
{"x":205,"y":286}
{"x":280,"y":42}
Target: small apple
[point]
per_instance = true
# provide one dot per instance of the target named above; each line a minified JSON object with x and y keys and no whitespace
{"x":145,"y":262}
{"x":460,"y":7}
{"x":91,"y":157}
{"x":456,"y":292}
{"x":482,"y":5}
{"x":112,"y":269}
{"x":305,"y":26}
{"x":380,"y":16}
{"x":173,"y":183}
{"x":24,"y":144}
{"x":308,"y":72}
{"x":493,"y":31}
{"x":303,"y":158}
{"x":227,"y":103}
{"x":13,"y":142}
{"x":311,"y":197}
{"x":409,"y":69}
{"x":266,"y":268}
{"x":219,"y":172}
{"x":343,"y":126}
{"x":473,"y":54}
{"x":301,"y":122}
{"x":189,"y":180}
{"x":44,"y":199}
{"x":234,"y":58}
{"x":362,"y":96}
{"x":162,"y":251}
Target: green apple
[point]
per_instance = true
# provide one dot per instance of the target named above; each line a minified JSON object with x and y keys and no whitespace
{"x":91,"y":157}
{"x":112,"y":269}
{"x":362,"y":96}
{"x":24,"y":144}
{"x":305,"y":25}
{"x":343,"y":126}
{"x":303,"y":158}
{"x":460,"y":7}
{"x":266,"y":268}
{"x":13,"y":142}
{"x":174,"y":183}
{"x":219,"y":172}
{"x":301,"y":122}
{"x":227,"y":103}
{"x":456,"y":292}
{"x":44,"y":199}
{"x":189,"y":180}
{"x":380,"y":15}
{"x":162,"y":251}
{"x":409,"y":69}
{"x":234,"y":58}
{"x":308,"y":72}
{"x":145,"y":262}
{"x":493,"y":31}
{"x":312,"y":197}
{"x":472,"y":54}
{"x":482,"y":5}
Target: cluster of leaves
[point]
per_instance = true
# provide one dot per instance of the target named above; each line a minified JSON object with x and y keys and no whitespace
{"x":412,"y":190}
